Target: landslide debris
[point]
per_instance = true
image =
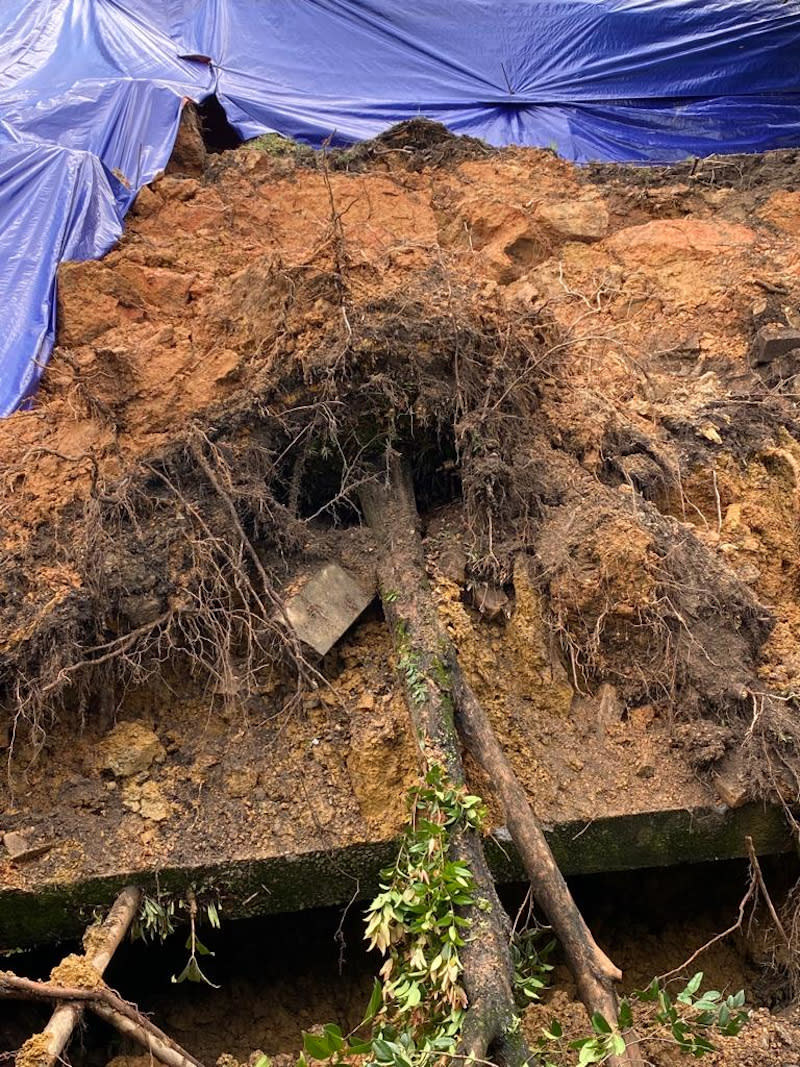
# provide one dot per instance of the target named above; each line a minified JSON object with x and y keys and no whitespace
{"x":568,"y":362}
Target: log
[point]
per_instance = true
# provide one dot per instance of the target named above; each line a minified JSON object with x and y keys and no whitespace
{"x":593,"y":971}
{"x":107,"y":1005}
{"x":490,"y":1023}
{"x":101,"y":945}
{"x":451,"y":708}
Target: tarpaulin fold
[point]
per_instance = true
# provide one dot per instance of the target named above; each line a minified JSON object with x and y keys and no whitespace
{"x":91,"y":93}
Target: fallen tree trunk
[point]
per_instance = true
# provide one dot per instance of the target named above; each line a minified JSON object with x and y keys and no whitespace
{"x":107,"y":1005}
{"x":593,"y":971}
{"x":100,"y":944}
{"x":490,"y":1023}
{"x":440,"y":698}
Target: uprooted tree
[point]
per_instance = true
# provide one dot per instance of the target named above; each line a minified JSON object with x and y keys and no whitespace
{"x":353,"y":412}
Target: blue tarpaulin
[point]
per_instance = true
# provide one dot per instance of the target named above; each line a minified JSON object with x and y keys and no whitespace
{"x":91,"y":93}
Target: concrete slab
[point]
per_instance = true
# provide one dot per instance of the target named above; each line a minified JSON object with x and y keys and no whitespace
{"x":51,"y":911}
{"x":322,"y":606}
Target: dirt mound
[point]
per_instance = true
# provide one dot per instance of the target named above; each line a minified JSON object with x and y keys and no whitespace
{"x":568,"y":362}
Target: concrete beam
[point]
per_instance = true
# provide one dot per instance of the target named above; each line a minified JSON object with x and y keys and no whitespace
{"x":321,"y":879}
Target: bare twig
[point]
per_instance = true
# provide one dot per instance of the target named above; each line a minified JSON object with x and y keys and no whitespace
{"x":105,"y":1003}
{"x":107,"y":938}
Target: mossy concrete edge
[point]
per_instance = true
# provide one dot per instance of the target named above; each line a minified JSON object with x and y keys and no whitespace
{"x":59,"y":911}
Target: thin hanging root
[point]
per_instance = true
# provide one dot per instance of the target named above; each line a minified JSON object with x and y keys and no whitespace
{"x":104,"y":942}
{"x":426,"y":654}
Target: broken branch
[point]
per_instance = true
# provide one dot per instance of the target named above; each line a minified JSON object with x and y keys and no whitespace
{"x":107,"y":939}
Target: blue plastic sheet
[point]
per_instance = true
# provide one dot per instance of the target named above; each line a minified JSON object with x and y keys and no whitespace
{"x":91,"y":93}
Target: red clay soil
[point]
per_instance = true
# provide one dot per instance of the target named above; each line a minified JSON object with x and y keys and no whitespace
{"x":223,"y":281}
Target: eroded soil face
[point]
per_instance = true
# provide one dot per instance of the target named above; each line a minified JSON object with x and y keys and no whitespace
{"x":620,"y":576}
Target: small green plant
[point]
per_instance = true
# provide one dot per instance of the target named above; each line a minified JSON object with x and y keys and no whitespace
{"x":274,"y":144}
{"x":416,"y":1009}
{"x":530,"y":962}
{"x":688,"y":1020}
{"x":155,"y":920}
{"x":192,"y":972}
{"x":411,"y":668}
{"x":159,"y":916}
{"x":691,"y":1017}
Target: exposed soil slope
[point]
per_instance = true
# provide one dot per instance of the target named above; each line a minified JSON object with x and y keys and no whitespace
{"x":611,"y":491}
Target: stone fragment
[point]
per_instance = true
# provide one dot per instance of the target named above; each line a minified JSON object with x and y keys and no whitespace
{"x":730,"y":781}
{"x":147,"y":800}
{"x":323,"y":605}
{"x":773,"y":342}
{"x":19,"y":847}
{"x":146,"y":203}
{"x":15,"y":843}
{"x":578,"y":220}
{"x":452,"y":564}
{"x":490,"y":600}
{"x":130,"y":749}
{"x":241,"y":783}
{"x":189,"y":153}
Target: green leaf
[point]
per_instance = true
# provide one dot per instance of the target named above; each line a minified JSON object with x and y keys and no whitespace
{"x":600,"y":1024}
{"x":192,"y":973}
{"x":263,"y":1061}
{"x":694,"y":983}
{"x":334,"y":1036}
{"x":375,"y":1002}
{"x":316,"y":1046}
{"x":592,"y":1052}
{"x":555,"y":1032}
{"x":625,"y":1015}
{"x":649,"y":994}
{"x":383,"y":1050}
{"x":358,"y":1048}
{"x":617,"y":1044}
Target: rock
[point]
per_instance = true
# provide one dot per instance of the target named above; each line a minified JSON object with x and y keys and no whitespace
{"x":782,"y":209}
{"x":241,"y":783}
{"x":323,"y":605}
{"x":490,"y":600}
{"x":225,"y":366}
{"x":147,"y":800}
{"x":161,"y":287}
{"x":19,"y":847}
{"x":15,"y":843}
{"x":730,"y":781}
{"x":452,"y":564}
{"x":578,"y":220}
{"x":677,"y":238}
{"x":189,"y":154}
{"x":130,"y":749}
{"x":774,"y":342}
{"x":146,"y":203}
